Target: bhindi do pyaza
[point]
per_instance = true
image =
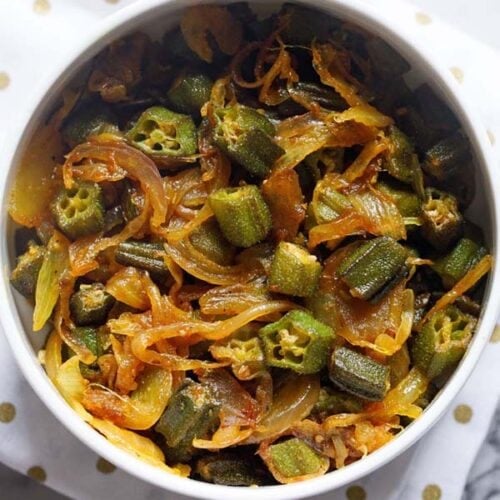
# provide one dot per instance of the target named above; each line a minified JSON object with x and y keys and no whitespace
{"x":248,"y":245}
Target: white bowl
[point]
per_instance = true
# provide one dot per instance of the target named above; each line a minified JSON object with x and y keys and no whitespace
{"x":16,"y":314}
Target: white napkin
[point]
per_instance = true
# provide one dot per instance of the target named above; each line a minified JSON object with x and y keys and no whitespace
{"x":34,"y":35}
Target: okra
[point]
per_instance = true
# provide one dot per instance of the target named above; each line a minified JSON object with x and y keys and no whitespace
{"x":79,"y":211}
{"x":161,"y":133}
{"x":332,"y":402}
{"x":442,"y":220}
{"x":294,"y":458}
{"x":143,"y":255}
{"x":454,"y":265}
{"x":386,"y":61}
{"x":90,"y":118}
{"x":189,"y":92}
{"x":324,"y":96}
{"x":242,"y":214}
{"x":230,"y":469}
{"x":400,"y":161}
{"x":246,"y":136}
{"x":327,"y":205}
{"x":373,"y":268}
{"x":406,"y":201}
{"x":445,"y":157}
{"x":297,"y":342}
{"x":294,"y":271}
{"x":90,"y":305}
{"x":90,"y":337}
{"x":209,"y":240}
{"x":359,"y":375}
{"x":442,"y":341}
{"x":24,"y":276}
{"x":244,"y":351}
{"x":191,"y":413}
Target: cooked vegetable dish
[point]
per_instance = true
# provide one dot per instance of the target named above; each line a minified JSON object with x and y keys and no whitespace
{"x":247,"y":244}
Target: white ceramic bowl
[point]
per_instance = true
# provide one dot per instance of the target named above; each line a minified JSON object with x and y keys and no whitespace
{"x":16,"y":314}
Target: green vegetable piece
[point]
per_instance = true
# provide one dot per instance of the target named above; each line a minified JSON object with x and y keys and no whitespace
{"x":191,"y":413}
{"x":244,"y":351}
{"x":442,"y":341}
{"x":294,"y":458}
{"x":454,"y":265}
{"x":373,"y":267}
{"x":209,"y":240}
{"x":79,"y":211}
{"x":445,"y":157}
{"x":442,"y":220}
{"x":400,"y":161}
{"x":386,"y":61}
{"x":324,"y":96}
{"x":246,"y":136}
{"x":297,"y":342}
{"x":332,"y":402}
{"x":161,"y":133}
{"x":407,"y":201}
{"x":294,"y":271}
{"x":90,"y":337}
{"x":25,"y":275}
{"x":143,"y":255}
{"x":91,"y":305}
{"x":90,"y":118}
{"x":132,"y":202}
{"x":302,"y":25}
{"x":230,"y":469}
{"x":242,"y":214}
{"x":189,"y":92}
{"x":327,"y":205}
{"x":359,"y":375}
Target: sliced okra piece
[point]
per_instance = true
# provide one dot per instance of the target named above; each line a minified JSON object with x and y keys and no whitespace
{"x":161,"y":133}
{"x":407,"y":201}
{"x":294,"y":459}
{"x":191,"y":413}
{"x":189,"y":92}
{"x":90,"y":305}
{"x":332,"y":402}
{"x":244,"y":351}
{"x":442,"y":220}
{"x":143,"y":255}
{"x":297,"y":342}
{"x":454,"y":265}
{"x":327,"y":205}
{"x":445,"y":157}
{"x":373,"y":267}
{"x":442,"y":341}
{"x":386,"y":61}
{"x":90,"y":118}
{"x":230,"y":469}
{"x":79,"y":211}
{"x":209,"y":240}
{"x":359,"y":375}
{"x":400,"y":161}
{"x":294,"y":271}
{"x":24,"y":276}
{"x":242,"y":214}
{"x":246,"y":136}
{"x":90,"y":337}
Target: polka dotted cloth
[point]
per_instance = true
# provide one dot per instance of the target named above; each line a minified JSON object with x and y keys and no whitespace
{"x":33,"y":441}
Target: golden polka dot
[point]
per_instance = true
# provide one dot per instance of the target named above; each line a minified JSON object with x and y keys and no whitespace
{"x":491,"y":137}
{"x":7,"y":412}
{"x":4,"y":80}
{"x":104,"y":466}
{"x":112,"y":1}
{"x":37,"y":473}
{"x":423,"y":18}
{"x":41,"y":6}
{"x":458,"y":74}
{"x":355,"y":493}
{"x":495,"y":336}
{"x":462,"y":414}
{"x":431,"y":492}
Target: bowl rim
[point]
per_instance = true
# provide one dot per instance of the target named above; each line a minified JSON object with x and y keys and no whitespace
{"x":376,"y":21}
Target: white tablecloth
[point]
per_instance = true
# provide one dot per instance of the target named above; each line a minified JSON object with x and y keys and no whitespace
{"x":33,"y":36}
